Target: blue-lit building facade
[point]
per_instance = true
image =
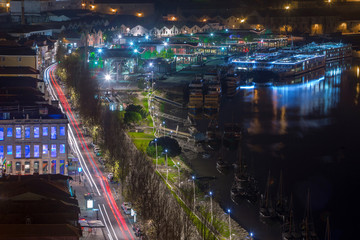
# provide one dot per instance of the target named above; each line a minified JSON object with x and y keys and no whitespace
{"x":33,"y":141}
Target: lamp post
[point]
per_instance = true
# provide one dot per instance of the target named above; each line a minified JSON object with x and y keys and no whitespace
{"x":166,"y":164}
{"x":156,"y":154}
{"x":108,"y":78}
{"x":178,"y":167}
{"x":229,"y":223}
{"x":193,"y":178}
{"x":164,"y":127}
{"x":152,"y":76}
{"x":211,"y":207}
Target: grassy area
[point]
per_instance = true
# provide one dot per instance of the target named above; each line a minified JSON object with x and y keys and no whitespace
{"x":145,"y":104}
{"x":141,"y":140}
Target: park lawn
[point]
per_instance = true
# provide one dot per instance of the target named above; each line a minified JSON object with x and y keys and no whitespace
{"x":145,"y":104}
{"x":141,"y":140}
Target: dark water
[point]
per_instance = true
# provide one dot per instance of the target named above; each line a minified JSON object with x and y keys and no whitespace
{"x":311,"y":132}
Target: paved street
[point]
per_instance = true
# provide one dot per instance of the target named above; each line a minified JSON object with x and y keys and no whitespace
{"x":117,"y":226}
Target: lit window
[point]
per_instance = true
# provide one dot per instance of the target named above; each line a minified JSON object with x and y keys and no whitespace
{"x":62,"y":131}
{"x":45,"y":131}
{"x":27,"y":151}
{"x":36,"y":132}
{"x":27,"y":132}
{"x":1,"y":152}
{"x":45,"y":167}
{"x":53,"y":150}
{"x":18,"y":166}
{"x":18,"y":151}
{"x":9,"y":150}
{"x":1,"y":134}
{"x":27,"y":167}
{"x":53,"y":133}
{"x":36,"y":151}
{"x":9,"y":132}
{"x":45,"y":149}
{"x":62,"y":148}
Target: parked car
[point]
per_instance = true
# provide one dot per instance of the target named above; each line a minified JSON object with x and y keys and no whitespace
{"x":110,"y":176}
{"x":125,"y":205}
{"x":127,"y":210}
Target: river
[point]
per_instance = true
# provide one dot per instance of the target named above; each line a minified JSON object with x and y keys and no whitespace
{"x":310,"y":132}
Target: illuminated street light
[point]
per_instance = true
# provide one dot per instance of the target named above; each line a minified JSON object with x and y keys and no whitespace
{"x":229,"y":223}
{"x":226,"y":30}
{"x":211,"y":34}
{"x":287,"y":7}
{"x":193,"y":178}
{"x":146,"y":37}
{"x":165,"y":44}
{"x":99,"y":50}
{"x":120,"y":36}
{"x":107,"y":77}
{"x":135,"y":50}
{"x":151,"y":64}
{"x":211,"y":208}
{"x":131,"y":43}
{"x":243,"y":20}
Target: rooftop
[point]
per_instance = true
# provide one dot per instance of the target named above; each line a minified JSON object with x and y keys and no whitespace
{"x":17,"y":51}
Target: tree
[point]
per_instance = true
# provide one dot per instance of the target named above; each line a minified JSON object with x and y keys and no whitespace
{"x":151,"y":150}
{"x":132,"y":117}
{"x":168,"y":143}
{"x":137,"y":108}
{"x":60,"y":53}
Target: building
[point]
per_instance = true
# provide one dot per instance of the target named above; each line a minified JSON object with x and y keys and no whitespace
{"x":38,"y":207}
{"x":31,"y":11}
{"x":138,"y":8}
{"x":33,"y":133}
{"x":18,"y":57}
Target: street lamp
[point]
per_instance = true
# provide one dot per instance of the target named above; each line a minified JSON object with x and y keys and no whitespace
{"x":108,"y":78}
{"x":156,"y":154}
{"x":164,"y":127}
{"x":165,"y":44}
{"x":99,"y":50}
{"x":178,"y":167}
{"x":131,"y":43}
{"x":211,"y":207}
{"x":211,"y":34}
{"x":120,"y":36}
{"x":147,"y":37}
{"x":166,"y":164}
{"x":229,"y":223}
{"x":193,"y":178}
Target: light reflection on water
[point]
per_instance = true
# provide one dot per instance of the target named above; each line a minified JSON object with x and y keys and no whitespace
{"x":292,"y":109}
{"x":306,"y":98}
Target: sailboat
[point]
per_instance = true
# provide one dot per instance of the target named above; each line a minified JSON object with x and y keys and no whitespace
{"x":221,"y":165}
{"x":281,"y":202}
{"x":308,"y":229}
{"x":244,"y":185}
{"x":266,"y":209}
{"x":289,"y":228}
{"x":327,"y":230}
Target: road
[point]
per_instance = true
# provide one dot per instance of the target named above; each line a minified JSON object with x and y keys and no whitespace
{"x":117,"y":226}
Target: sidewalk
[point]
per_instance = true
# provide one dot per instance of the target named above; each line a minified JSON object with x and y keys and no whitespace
{"x":88,"y":214}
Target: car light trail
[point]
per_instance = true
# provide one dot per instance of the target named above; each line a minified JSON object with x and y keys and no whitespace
{"x":54,"y":88}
